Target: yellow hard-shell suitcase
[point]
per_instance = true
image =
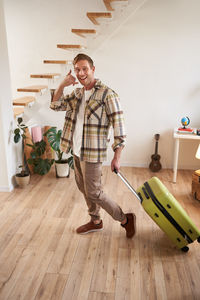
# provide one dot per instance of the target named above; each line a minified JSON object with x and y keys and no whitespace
{"x":166,"y":211}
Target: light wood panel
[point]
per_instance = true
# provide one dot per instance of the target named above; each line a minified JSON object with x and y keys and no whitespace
{"x":70,"y":46}
{"x":46,"y":75}
{"x":18,"y":111}
{"x":108,"y":3}
{"x":83,"y":32}
{"x":24,"y":101}
{"x":42,"y":257}
{"x":27,"y":149}
{"x":33,"y":88}
{"x":59,"y":62}
{"x":93,"y":16}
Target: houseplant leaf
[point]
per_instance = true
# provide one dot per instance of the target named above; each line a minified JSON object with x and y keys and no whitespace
{"x":17,"y":137}
{"x":43,"y":166}
{"x":40,"y":147}
{"x":20,"y":120}
{"x":71,"y":162}
{"x":54,"y":138}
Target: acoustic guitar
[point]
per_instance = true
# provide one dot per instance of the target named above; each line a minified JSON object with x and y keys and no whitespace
{"x":155,"y":164}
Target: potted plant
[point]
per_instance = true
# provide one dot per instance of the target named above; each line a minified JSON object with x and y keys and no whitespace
{"x":22,"y":178}
{"x":62,"y":165}
{"x":41,"y":165}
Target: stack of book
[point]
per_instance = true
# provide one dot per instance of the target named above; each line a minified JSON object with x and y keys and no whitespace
{"x":186,"y":130}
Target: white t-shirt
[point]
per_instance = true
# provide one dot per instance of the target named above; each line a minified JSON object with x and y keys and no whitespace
{"x":78,"y":131}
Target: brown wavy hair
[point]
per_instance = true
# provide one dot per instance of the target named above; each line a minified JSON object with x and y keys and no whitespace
{"x":82,"y":56}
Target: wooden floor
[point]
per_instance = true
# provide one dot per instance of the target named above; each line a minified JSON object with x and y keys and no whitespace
{"x":42,"y":257}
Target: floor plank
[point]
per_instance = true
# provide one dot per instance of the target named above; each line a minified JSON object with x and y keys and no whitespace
{"x":42,"y":257}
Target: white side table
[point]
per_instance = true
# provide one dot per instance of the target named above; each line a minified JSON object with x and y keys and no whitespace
{"x":178,"y":137}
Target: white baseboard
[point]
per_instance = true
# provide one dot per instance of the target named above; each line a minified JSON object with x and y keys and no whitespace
{"x":6,"y":188}
{"x":106,"y":163}
{"x":181,"y":167}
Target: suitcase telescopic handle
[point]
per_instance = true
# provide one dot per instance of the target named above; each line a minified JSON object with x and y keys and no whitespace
{"x":128,"y":184}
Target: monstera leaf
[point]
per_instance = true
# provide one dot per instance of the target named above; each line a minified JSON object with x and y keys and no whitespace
{"x":54,"y":137}
{"x":42,"y":166}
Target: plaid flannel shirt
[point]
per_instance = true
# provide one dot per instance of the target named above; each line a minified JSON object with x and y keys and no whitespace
{"x":102,"y":111}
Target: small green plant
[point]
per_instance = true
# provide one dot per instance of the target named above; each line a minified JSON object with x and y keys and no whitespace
{"x":40,"y":166}
{"x":54,"y":136}
{"x":19,"y":134}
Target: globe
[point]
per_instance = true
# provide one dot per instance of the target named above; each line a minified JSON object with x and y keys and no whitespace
{"x":185,"y":121}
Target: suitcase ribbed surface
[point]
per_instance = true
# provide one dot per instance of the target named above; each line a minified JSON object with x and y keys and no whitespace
{"x":167,"y":212}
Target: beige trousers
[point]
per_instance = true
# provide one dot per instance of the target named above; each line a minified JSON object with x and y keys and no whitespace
{"x":88,"y":179}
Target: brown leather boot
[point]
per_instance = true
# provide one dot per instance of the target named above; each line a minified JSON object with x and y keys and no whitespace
{"x":90,"y":227}
{"x":130,"y":225}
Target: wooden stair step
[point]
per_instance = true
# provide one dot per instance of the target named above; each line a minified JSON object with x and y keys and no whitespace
{"x":24,"y":101}
{"x":83,"y":32}
{"x":59,"y":62}
{"x":33,"y":88}
{"x":18,"y":111}
{"x":108,"y":3}
{"x":95,"y":15}
{"x":46,"y":75}
{"x":70,"y":46}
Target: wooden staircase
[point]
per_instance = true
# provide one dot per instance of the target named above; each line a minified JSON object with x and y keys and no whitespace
{"x":46,"y":75}
{"x":33,"y":89}
{"x":96,"y":18}
{"x":84,"y":32}
{"x":58,"y":62}
{"x":18,"y":111}
{"x":70,"y":47}
{"x":93,"y":16}
{"x":24,"y":101}
{"x":19,"y":104}
{"x":108,"y":4}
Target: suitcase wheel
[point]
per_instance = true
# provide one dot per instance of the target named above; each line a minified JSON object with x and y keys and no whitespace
{"x":185,"y":249}
{"x":198,"y":240}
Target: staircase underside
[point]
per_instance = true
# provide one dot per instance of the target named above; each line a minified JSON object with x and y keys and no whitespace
{"x":18,"y":111}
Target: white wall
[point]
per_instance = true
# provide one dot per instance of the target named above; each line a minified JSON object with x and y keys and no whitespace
{"x":155,"y":68}
{"x":152,"y":60}
{"x":6,"y":115}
